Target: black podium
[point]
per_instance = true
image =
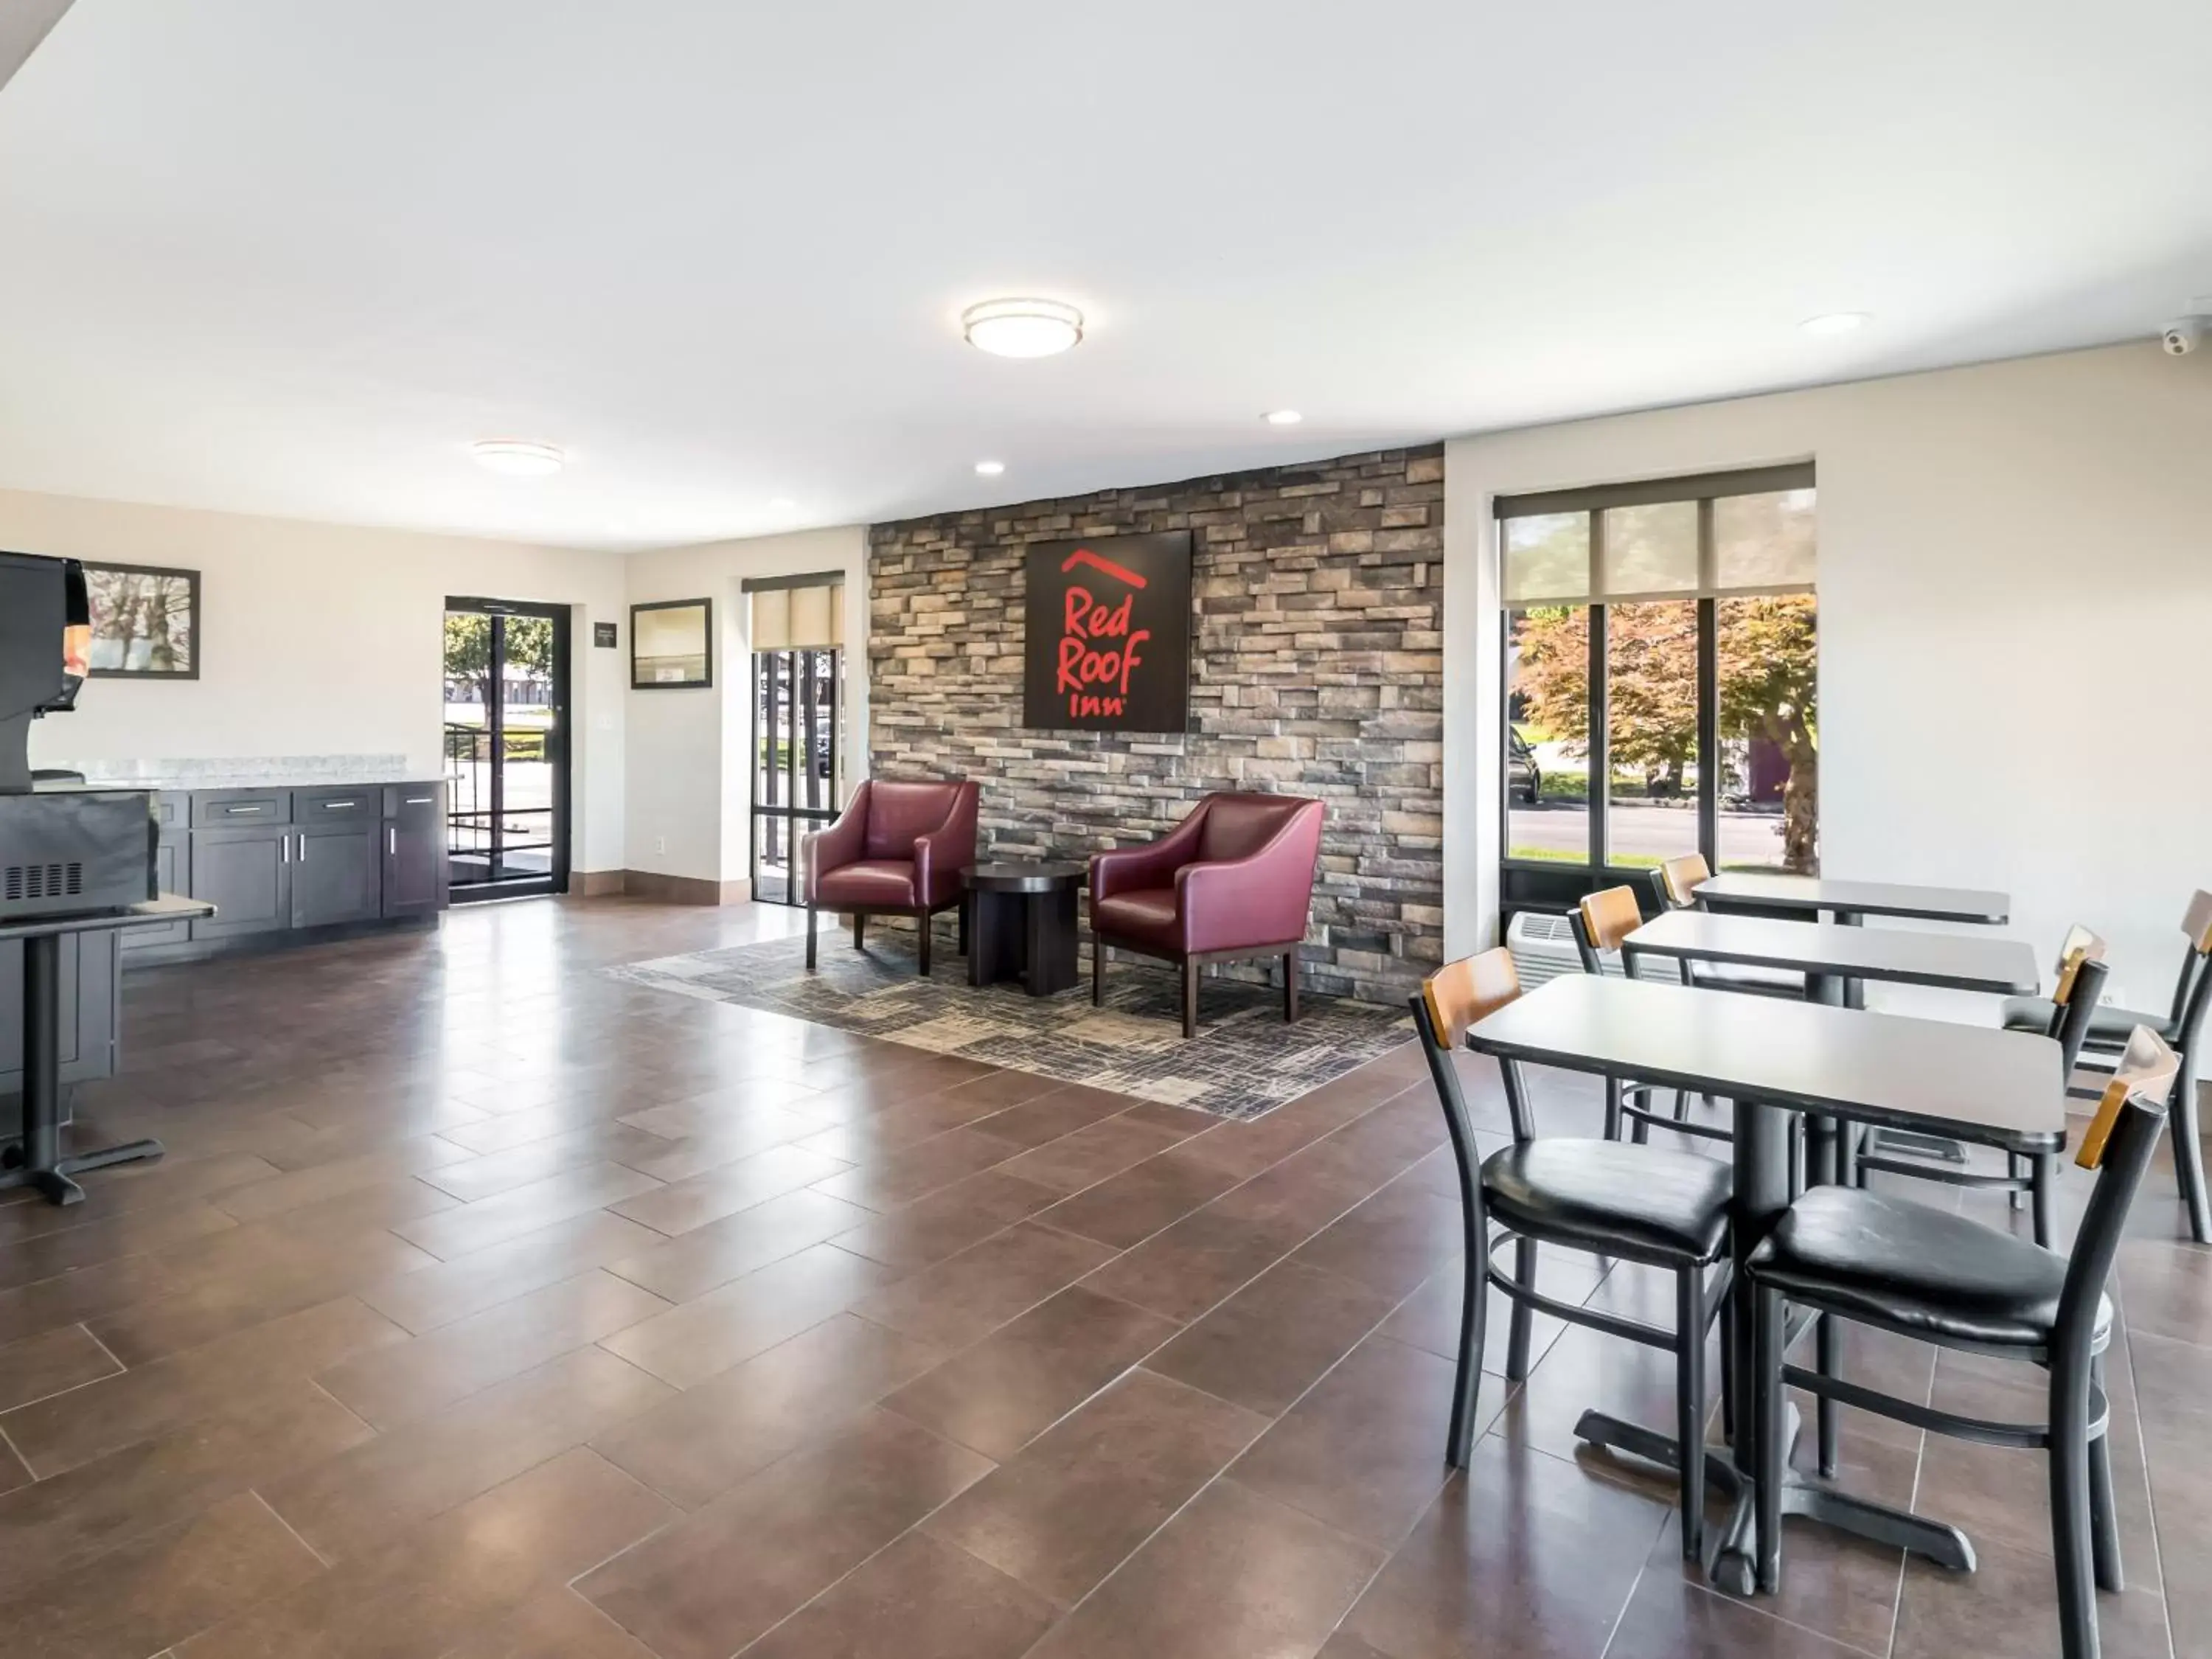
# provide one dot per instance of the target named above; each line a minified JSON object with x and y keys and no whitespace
{"x":37,"y":1159}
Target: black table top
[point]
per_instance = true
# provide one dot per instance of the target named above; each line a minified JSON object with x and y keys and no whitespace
{"x":1867,"y":898}
{"x":1958,"y":962}
{"x":167,"y":907}
{"x":1967,"y":1082}
{"x":1014,"y":875}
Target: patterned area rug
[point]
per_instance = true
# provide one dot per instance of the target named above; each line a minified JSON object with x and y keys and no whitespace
{"x":1243,"y":1063}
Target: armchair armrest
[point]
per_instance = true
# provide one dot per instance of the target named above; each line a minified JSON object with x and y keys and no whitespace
{"x":941,"y":854}
{"x":1266,"y":898}
{"x":1131,"y":869}
{"x":840,"y":844}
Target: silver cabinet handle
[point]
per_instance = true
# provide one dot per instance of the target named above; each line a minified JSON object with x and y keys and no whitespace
{"x":234,"y":811}
{"x":338,"y":805}
{"x":419,"y":800}
{"x":391,"y":840}
{"x":303,"y":849}
{"x":284,"y":850}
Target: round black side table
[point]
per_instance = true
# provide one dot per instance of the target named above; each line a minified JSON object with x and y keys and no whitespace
{"x":1021,"y":923}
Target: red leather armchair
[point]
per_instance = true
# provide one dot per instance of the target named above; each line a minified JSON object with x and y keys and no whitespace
{"x":896,"y":849}
{"x":1233,"y":881}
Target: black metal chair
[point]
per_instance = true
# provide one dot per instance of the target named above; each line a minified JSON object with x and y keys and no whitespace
{"x":1643,"y":1204}
{"x":1601,"y":921}
{"x":1946,"y":1280}
{"x":1678,"y":879}
{"x":2182,"y":1028}
{"x":2072,"y":1006}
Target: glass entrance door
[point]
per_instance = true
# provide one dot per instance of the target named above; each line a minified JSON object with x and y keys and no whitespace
{"x":794,"y":769}
{"x":506,"y":748}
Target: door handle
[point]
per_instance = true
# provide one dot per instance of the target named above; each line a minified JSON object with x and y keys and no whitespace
{"x":391,"y":841}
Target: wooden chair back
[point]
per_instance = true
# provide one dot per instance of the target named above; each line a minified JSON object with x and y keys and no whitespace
{"x":1681,"y":876}
{"x":1609,"y":915}
{"x":2197,"y":922}
{"x":2080,"y":946}
{"x":1461,"y":993}
{"x":2145,"y":1075}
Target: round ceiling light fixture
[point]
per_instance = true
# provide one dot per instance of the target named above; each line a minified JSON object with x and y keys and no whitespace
{"x":518,"y":460}
{"x":1022,"y":328}
{"x":989,"y":469}
{"x":1834,"y":322}
{"x":1282,"y":417}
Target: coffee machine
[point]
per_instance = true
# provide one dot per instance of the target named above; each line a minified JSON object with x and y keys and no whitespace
{"x":64,"y":847}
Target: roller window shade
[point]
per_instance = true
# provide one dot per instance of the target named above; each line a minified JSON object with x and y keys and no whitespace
{"x":1748,"y":531}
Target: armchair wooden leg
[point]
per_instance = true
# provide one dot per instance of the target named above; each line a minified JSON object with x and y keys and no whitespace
{"x":1097,"y":971}
{"x":1291,"y":986}
{"x":924,"y":948}
{"x":1189,"y":997}
{"x":810,"y":939}
{"x":860,"y":930}
{"x":966,"y":905}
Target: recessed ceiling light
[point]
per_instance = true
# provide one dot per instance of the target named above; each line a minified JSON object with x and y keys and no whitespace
{"x":1834,"y":322}
{"x":1282,"y":417}
{"x":519,"y":460}
{"x":1022,"y":328}
{"x":782,"y":504}
{"x":990,"y":469}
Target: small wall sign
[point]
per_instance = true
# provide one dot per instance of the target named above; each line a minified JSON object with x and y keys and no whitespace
{"x":603,"y":635}
{"x":1108,"y":640}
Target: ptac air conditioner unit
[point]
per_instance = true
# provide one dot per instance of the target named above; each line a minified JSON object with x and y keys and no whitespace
{"x":1543,"y":947}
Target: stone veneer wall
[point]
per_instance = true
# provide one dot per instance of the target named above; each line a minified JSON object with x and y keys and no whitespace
{"x":1318,"y":670}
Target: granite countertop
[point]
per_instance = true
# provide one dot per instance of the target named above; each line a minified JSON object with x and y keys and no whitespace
{"x":294,"y":772}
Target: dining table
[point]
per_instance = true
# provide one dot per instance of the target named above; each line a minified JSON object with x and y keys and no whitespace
{"x":1833,"y":955}
{"x":1771,"y":1058}
{"x":1850,"y":901}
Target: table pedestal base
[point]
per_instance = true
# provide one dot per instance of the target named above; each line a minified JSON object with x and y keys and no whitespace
{"x":36,"y":1161}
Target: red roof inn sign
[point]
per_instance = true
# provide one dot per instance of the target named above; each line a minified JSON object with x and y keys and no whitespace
{"x":1108,"y":647}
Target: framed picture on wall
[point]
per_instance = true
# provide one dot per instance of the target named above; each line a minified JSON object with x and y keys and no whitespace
{"x":672,"y":645}
{"x":145,"y":621}
{"x":1108,"y":640}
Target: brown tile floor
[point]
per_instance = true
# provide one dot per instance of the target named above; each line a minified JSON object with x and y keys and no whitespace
{"x":487,"y":1307}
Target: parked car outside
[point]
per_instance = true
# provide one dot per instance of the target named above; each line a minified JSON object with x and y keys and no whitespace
{"x":1523,"y":777}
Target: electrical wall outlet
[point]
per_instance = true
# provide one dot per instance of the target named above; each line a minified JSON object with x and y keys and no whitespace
{"x":661,"y":843}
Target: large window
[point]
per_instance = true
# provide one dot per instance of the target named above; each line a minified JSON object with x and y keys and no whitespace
{"x":1661,"y":688}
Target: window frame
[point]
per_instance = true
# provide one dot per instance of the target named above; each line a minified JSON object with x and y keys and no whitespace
{"x":1555,"y":883}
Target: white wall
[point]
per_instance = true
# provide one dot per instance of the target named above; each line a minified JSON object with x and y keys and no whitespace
{"x":2015,"y":591}
{"x":688,"y":799}
{"x":321,"y":639}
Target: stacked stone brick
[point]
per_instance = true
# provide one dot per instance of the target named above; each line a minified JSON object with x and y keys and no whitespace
{"x":1317,"y":669}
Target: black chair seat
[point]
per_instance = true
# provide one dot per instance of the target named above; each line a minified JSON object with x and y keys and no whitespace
{"x":1614,"y":1199}
{"x":1922,"y":1272}
{"x":2108,"y":1027}
{"x":1741,"y":977}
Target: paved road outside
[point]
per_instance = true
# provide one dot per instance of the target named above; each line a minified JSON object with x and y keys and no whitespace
{"x":1644,"y":830}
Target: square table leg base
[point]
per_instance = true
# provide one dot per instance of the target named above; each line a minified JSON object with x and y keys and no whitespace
{"x":54,"y":1183}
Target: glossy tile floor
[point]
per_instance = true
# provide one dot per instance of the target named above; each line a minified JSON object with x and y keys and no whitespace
{"x":489,"y":1307}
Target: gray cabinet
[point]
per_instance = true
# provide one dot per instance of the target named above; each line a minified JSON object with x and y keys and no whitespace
{"x":88,"y":1000}
{"x":414,"y":870}
{"x":338,"y":872}
{"x":172,"y":873}
{"x":247,"y":874}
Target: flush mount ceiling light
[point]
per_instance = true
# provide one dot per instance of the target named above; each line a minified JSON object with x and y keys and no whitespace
{"x":517,"y":460}
{"x":990,"y":469}
{"x":1282,"y":417}
{"x":782,"y":504}
{"x":1834,"y":322}
{"x":1021,"y":328}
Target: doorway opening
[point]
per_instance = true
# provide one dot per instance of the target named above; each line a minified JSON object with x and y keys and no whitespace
{"x":797,"y":693}
{"x":506,"y":748}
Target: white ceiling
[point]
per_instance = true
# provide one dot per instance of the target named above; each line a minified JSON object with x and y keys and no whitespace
{"x":292,"y":255}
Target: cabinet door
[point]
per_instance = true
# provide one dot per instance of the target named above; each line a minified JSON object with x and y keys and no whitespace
{"x":336,"y":874}
{"x":413,"y":866}
{"x":172,"y":873}
{"x":247,"y":874}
